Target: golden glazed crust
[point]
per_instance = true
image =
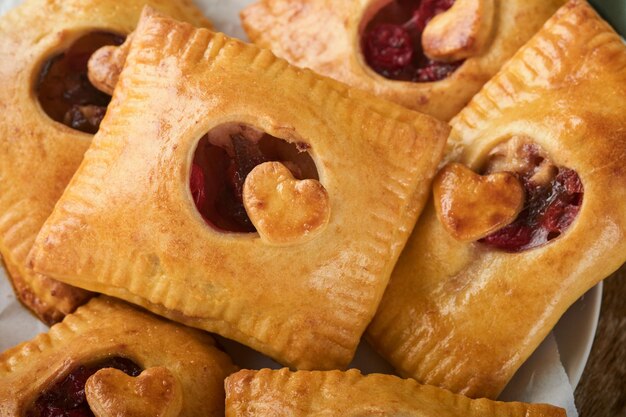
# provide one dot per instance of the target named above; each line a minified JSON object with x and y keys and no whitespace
{"x":38,"y":156}
{"x":110,"y":328}
{"x":472,"y":206}
{"x":324,"y":35}
{"x":350,"y":394}
{"x":463,"y":316}
{"x":127,"y":225}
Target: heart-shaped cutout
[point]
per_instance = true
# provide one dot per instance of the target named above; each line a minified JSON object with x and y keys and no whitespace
{"x":154,"y":393}
{"x":283,"y":209}
{"x":460,"y":32}
{"x":471,"y":206}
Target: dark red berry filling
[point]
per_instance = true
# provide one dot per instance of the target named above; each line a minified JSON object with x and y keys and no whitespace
{"x":220,"y":168}
{"x":551,"y":206}
{"x":392,"y":41}
{"x":427,"y":10}
{"x":64,"y":90}
{"x":67,"y":398}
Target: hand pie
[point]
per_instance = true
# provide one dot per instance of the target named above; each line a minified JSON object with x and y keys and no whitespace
{"x":110,"y":359}
{"x":49,"y":109}
{"x":428,"y":55}
{"x":465,"y":314}
{"x":350,"y":394}
{"x":233,"y":192}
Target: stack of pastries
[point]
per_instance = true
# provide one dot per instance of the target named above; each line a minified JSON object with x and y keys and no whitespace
{"x":446,"y":183}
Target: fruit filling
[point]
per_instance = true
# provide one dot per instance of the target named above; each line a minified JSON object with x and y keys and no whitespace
{"x":67,"y":398}
{"x":554,"y":196}
{"x":392,"y":41}
{"x":64,"y":90}
{"x":222,"y":161}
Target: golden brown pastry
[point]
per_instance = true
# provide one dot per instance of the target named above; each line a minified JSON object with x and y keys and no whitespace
{"x":209,"y":140}
{"x":428,"y":55}
{"x":464,"y":315}
{"x":471,"y":206}
{"x":111,"y":359}
{"x":48,"y":112}
{"x":350,"y":394}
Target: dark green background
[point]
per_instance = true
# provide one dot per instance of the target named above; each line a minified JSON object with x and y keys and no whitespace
{"x":614,"y":11}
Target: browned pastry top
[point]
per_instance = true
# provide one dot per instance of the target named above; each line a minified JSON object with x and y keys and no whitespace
{"x":350,"y":394}
{"x":465,"y":315}
{"x":327,"y":36}
{"x":183,"y":371}
{"x":303,"y":288}
{"x":38,"y":155}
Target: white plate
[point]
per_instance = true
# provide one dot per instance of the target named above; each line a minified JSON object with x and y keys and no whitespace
{"x":574,"y":333}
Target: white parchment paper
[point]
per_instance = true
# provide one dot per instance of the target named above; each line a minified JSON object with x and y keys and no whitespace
{"x":16,"y":323}
{"x":542,"y":379}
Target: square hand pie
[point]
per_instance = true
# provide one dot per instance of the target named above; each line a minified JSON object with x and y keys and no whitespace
{"x":488,"y":272}
{"x":350,"y":394}
{"x":278,"y":228}
{"x":111,"y":359}
{"x":49,"y":110}
{"x":428,"y":55}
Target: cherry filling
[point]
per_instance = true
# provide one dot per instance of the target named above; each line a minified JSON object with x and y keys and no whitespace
{"x":64,"y":90}
{"x":554,"y":196}
{"x":67,"y":397}
{"x":222,"y":161}
{"x":392,"y":41}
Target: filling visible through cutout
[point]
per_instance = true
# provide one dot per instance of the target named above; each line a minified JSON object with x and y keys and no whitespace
{"x":554,"y":196}
{"x":222,"y":161}
{"x":67,"y":398}
{"x":63,"y":89}
{"x":392,"y":41}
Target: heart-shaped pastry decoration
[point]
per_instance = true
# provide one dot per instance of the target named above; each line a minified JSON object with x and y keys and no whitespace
{"x":471,"y":206}
{"x":283,"y":209}
{"x":106,"y":64}
{"x":460,"y":32}
{"x":154,"y":393}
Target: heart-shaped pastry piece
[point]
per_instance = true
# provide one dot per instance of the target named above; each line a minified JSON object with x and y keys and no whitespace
{"x":460,"y":32}
{"x":154,"y":393}
{"x":471,"y":206}
{"x":106,"y":64}
{"x":283,"y":209}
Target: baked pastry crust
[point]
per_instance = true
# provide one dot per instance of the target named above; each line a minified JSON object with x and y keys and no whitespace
{"x":324,"y":35}
{"x":127,"y":225}
{"x":38,"y":156}
{"x":464,"y":316}
{"x":350,"y":394}
{"x":106,"y":327}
